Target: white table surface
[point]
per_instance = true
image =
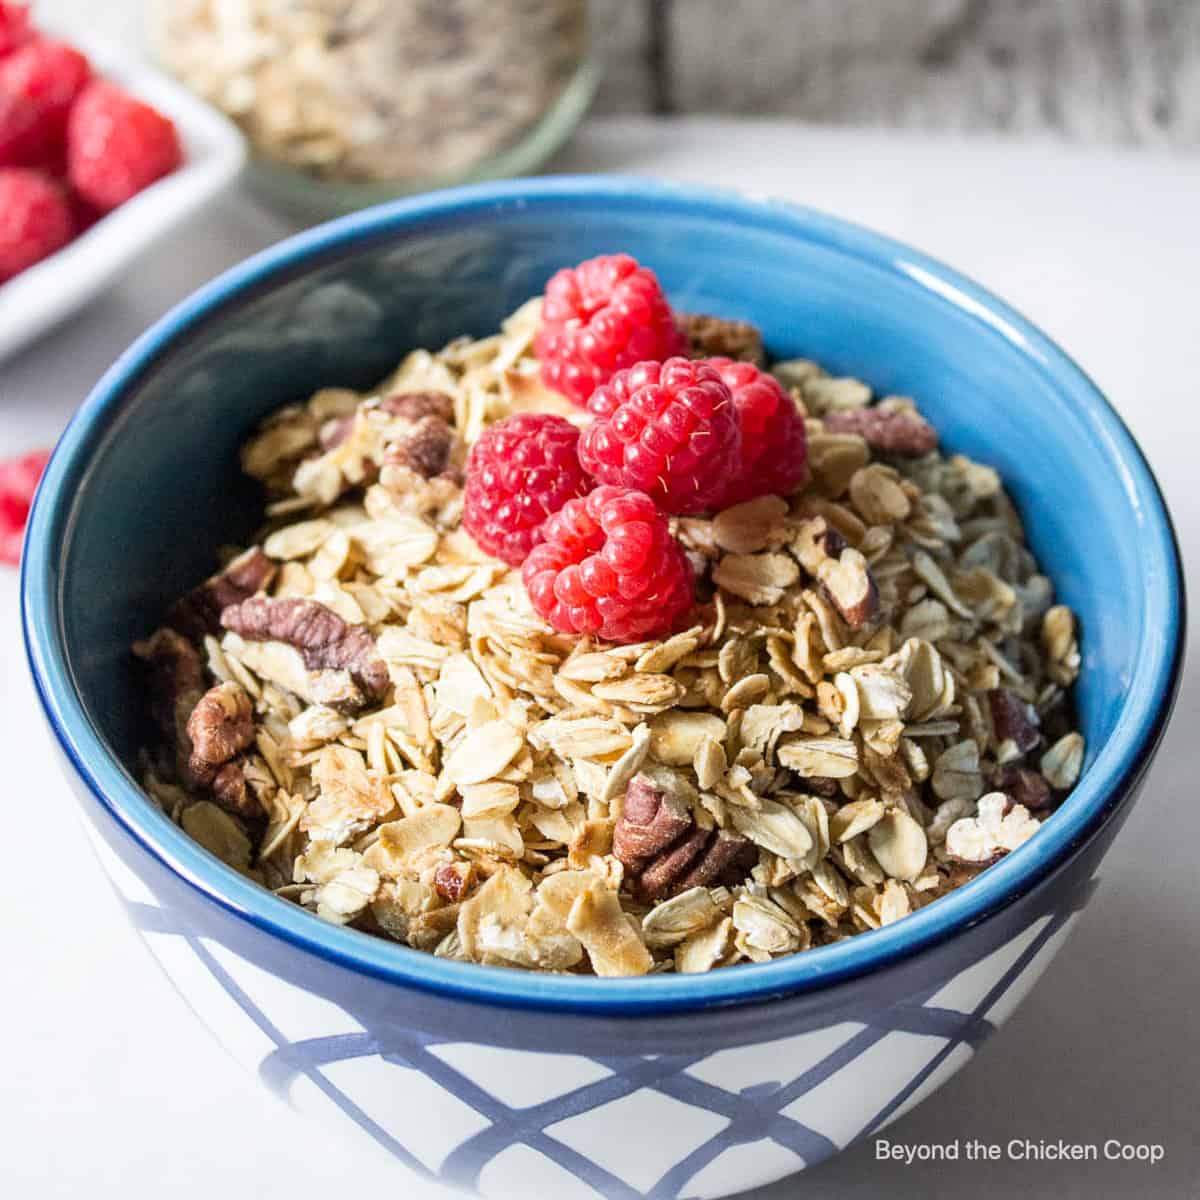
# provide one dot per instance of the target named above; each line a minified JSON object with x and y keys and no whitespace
{"x":108,"y":1087}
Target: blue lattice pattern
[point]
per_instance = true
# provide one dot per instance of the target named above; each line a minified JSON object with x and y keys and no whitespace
{"x":714,"y":1104}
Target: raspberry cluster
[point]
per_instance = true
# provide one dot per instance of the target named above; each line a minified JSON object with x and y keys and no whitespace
{"x":585,"y":512}
{"x":72,"y":146}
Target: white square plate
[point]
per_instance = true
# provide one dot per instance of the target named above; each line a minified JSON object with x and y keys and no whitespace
{"x":214,"y":152}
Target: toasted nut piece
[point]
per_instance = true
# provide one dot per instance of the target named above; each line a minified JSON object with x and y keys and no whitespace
{"x":890,"y":431}
{"x":425,"y":448}
{"x":814,"y":541}
{"x":848,"y":584}
{"x":1010,"y":719}
{"x":651,"y":820}
{"x":229,"y":790}
{"x":718,"y":337}
{"x":415,"y":406}
{"x":322,"y":637}
{"x":1024,"y":786}
{"x":199,"y":612}
{"x":221,"y":726}
{"x":175,"y":684}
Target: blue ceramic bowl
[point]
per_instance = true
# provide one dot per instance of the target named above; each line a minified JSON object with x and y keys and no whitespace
{"x":505,"y":1081}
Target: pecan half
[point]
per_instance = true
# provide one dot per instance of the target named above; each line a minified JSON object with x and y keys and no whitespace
{"x":1010,"y":719}
{"x":325,"y":641}
{"x":415,"y":405}
{"x":199,"y":612}
{"x":425,"y":447}
{"x":175,"y":684}
{"x":726,"y":858}
{"x":666,"y":853}
{"x":889,"y":431}
{"x":1023,"y":785}
{"x":220,"y":728}
{"x":650,"y":822}
{"x":229,"y":790}
{"x":713,"y":337}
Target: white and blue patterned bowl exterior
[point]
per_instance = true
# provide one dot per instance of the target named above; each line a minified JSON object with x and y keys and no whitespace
{"x":519,"y":1085}
{"x":518,"y":1103}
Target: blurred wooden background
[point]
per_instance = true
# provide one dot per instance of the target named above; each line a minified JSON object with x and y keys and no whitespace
{"x":1106,"y":71}
{"x":1103,"y":71}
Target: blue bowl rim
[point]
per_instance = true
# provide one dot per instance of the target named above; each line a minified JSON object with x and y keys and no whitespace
{"x":1106,"y":784}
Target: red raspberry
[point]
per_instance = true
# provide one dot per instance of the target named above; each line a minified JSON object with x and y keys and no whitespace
{"x":774,"y":443}
{"x":667,"y":429}
{"x":23,"y":142}
{"x":116,"y":145}
{"x":599,"y":317}
{"x":14,"y":27}
{"x":40,"y":81}
{"x":46,"y":73}
{"x":18,"y":481}
{"x":521,"y":471}
{"x":35,"y":219}
{"x":609,"y":567}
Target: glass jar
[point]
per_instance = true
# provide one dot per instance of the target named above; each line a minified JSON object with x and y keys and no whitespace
{"x":350,"y":102}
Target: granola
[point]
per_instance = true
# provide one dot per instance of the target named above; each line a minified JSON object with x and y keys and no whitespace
{"x":366,"y":91}
{"x":363,"y":712}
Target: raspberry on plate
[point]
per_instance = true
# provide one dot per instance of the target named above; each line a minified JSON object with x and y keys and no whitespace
{"x":521,"y":471}
{"x":606,"y":314}
{"x":23,"y":141}
{"x":116,"y":145}
{"x":14,"y":26}
{"x":18,"y":481}
{"x":47,"y":74}
{"x":774,"y":459}
{"x":608,"y":566}
{"x":667,"y":429}
{"x":35,"y":219}
{"x":38,"y":84}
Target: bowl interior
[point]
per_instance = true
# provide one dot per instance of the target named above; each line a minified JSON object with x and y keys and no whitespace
{"x":146,"y":484}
